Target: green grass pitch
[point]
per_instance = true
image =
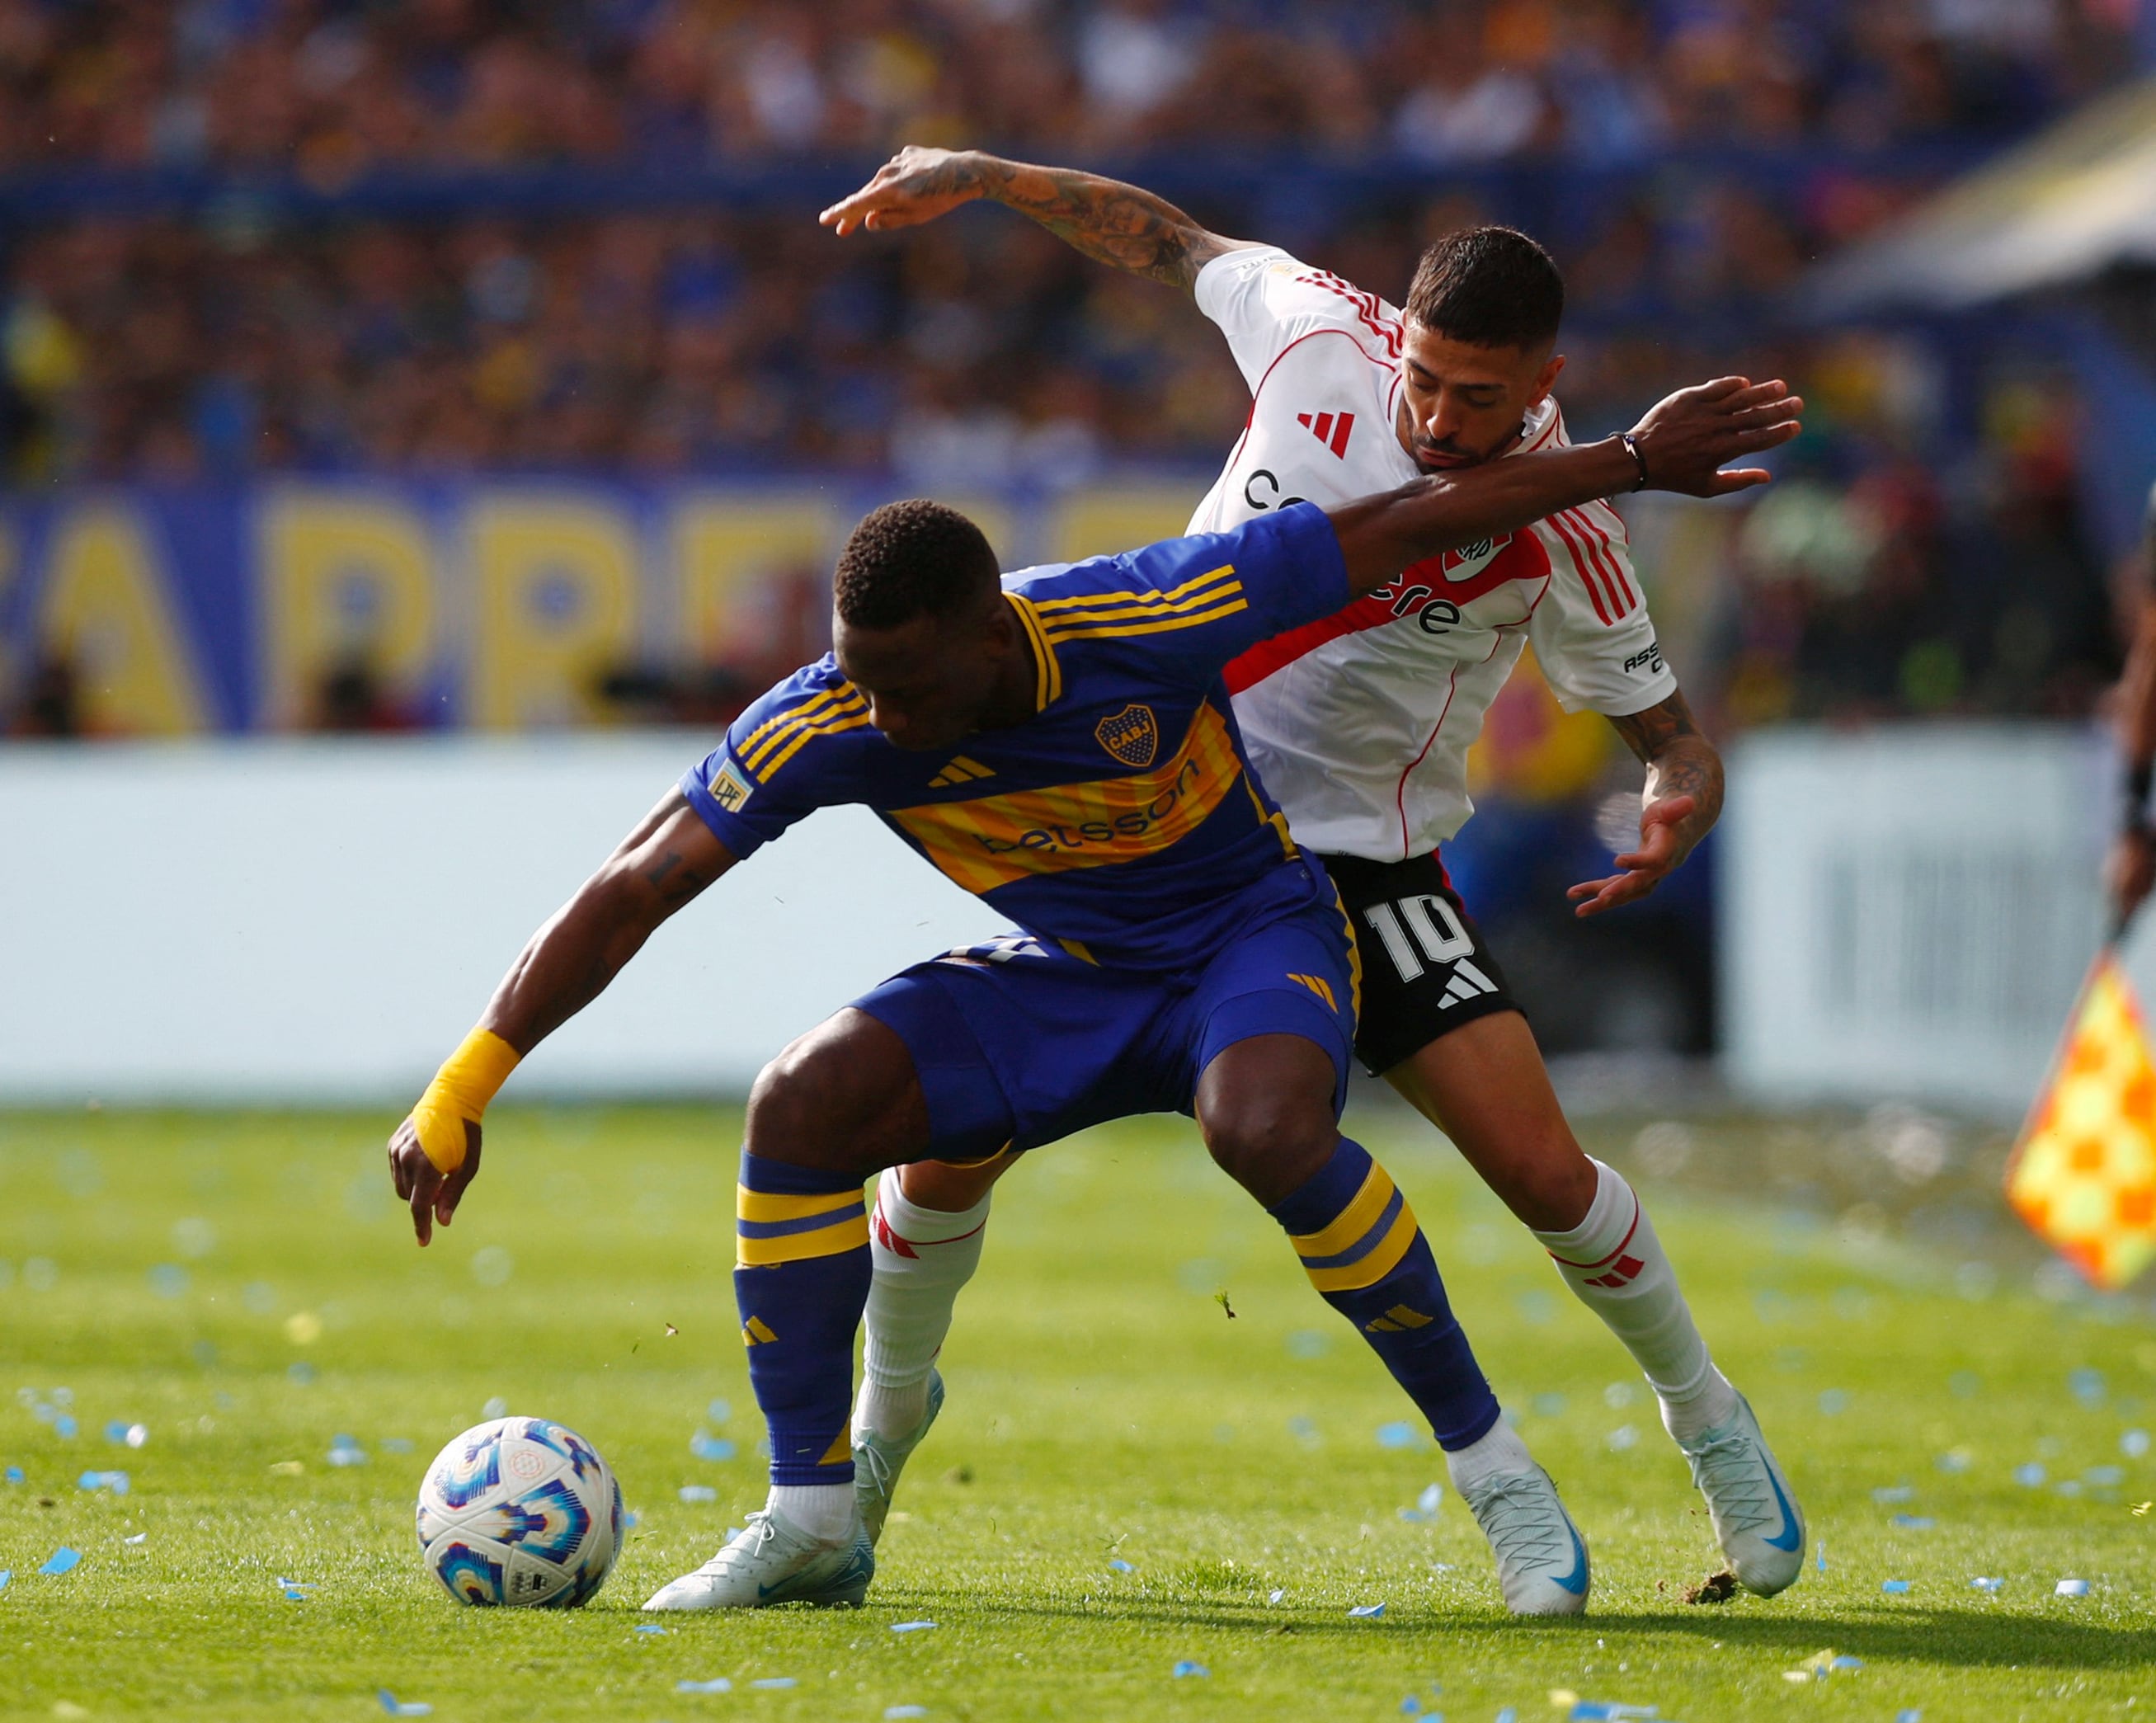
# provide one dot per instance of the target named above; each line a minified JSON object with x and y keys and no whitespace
{"x":245,"y":1287}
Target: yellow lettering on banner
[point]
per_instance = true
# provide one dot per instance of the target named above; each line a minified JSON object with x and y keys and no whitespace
{"x":727,"y":549}
{"x":105,"y":609}
{"x":556,"y":583}
{"x":345,"y":574}
{"x":1099,"y":523}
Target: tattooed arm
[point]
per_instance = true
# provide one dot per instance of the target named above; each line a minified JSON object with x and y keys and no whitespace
{"x":1679,"y":806}
{"x":1109,"y":222}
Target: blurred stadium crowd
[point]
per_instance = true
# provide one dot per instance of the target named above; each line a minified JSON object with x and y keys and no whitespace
{"x":1684,"y":159}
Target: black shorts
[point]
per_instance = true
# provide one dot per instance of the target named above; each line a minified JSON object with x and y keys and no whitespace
{"x":1425,"y":969}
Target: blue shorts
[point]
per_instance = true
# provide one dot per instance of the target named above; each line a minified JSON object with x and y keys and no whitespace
{"x":1017,"y":1042}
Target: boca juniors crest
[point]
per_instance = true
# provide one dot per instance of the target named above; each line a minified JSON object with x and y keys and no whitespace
{"x":1131,"y":736}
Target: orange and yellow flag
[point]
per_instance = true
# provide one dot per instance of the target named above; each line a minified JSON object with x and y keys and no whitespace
{"x":2084,"y":1173}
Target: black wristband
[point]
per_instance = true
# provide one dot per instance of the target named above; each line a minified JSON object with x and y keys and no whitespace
{"x":1638,"y":460}
{"x":2134,"y":805}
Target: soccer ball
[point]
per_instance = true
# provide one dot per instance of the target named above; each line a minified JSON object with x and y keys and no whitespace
{"x":521,"y":1512}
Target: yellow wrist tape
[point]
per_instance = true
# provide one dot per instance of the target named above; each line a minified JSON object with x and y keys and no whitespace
{"x":466,"y":1082}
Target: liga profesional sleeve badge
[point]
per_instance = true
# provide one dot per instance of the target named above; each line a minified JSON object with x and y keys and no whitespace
{"x":2083,"y":1175}
{"x":1131,"y":736}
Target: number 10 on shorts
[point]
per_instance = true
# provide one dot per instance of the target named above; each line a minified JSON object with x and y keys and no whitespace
{"x":1437,"y":934}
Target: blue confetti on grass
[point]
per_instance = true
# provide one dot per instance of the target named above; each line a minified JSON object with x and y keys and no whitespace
{"x":1187,"y":1667}
{"x":718,"y":1684}
{"x":1822,"y":1556}
{"x":1895,"y":1586}
{"x":699,"y":1492}
{"x":706,"y":1446}
{"x":910,"y":1626}
{"x":1982,"y":1584}
{"x":6,"y":1575}
{"x":63,"y":1560}
{"x":1366,"y":1612}
{"x":1915,"y":1522}
{"x":1908,"y":1717}
{"x":1402,"y":1434}
{"x":773,"y":1683}
{"x":397,"y":1707}
{"x":893,"y":1713}
{"x":1276,"y":1597}
{"x":652,"y":1627}
{"x":2071,"y":1588}
{"x":15,"y":1474}
{"x":2030,"y":1475}
{"x":1120,"y":1565}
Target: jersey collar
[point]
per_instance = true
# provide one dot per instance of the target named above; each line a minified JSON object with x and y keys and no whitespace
{"x":1048,"y":673}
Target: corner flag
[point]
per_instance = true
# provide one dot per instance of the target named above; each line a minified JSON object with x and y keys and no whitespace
{"x":2083,"y":1175}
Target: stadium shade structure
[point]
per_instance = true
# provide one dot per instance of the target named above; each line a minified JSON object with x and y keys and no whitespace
{"x":2060,"y":209}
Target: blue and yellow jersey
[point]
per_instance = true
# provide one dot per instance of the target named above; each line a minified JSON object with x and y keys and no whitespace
{"x":1122,"y":821}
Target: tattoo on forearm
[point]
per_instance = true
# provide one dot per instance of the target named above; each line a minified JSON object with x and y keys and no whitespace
{"x":1108,"y":221}
{"x":1680,"y":760}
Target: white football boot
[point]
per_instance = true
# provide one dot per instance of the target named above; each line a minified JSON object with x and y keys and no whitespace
{"x":773,"y":1561}
{"x":1756,"y":1518}
{"x":878,"y":1460}
{"x":1541,"y":1558}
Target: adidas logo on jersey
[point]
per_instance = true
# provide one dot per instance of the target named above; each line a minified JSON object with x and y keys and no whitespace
{"x":1332,"y":429}
{"x":960,"y":770}
{"x":1468,"y":982}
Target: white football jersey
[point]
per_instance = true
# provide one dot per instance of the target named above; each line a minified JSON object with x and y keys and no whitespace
{"x":1360,"y":724}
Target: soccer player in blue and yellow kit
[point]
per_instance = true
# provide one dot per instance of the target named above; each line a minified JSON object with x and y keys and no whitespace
{"x":1061,"y":744}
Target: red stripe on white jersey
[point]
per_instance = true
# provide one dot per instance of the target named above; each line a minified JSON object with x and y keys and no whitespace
{"x":1591,"y":514}
{"x":1580,"y":566}
{"x":1366,"y":308}
{"x":1605,"y":566}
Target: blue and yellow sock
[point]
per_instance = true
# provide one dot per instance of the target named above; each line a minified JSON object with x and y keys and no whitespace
{"x":801,"y":1275}
{"x":1363,"y":1250}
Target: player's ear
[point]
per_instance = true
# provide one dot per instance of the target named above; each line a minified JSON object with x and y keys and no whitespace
{"x":1546,"y":378}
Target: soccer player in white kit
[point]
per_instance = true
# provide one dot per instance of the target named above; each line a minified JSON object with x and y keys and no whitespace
{"x":1359,"y":725}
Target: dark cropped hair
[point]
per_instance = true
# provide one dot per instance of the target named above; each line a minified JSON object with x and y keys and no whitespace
{"x":910,"y":559}
{"x":1490,"y":287}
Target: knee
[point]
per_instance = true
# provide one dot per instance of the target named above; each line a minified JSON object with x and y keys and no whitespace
{"x":1552,"y":1185}
{"x":843,"y":1097}
{"x":1269,"y":1146}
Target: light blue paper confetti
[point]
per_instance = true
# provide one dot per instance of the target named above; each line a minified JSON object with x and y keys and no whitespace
{"x":699,"y":1492}
{"x":1276,"y":1597}
{"x":63,"y":1560}
{"x":1908,"y":1717}
{"x":2071,"y":1588}
{"x":1186,"y":1667}
{"x":295,"y":1594}
{"x":1894,"y":1585}
{"x":1120,"y":1565}
{"x":910,"y":1626}
{"x":2134,"y":1443}
{"x":651,"y":1627}
{"x":773,"y":1683}
{"x":1411,"y":1706}
{"x":6,"y":1574}
{"x":1915,"y":1522}
{"x":140,"y":1537}
{"x":1596,"y":1710}
{"x":706,"y":1446}
{"x":1822,"y":1556}
{"x":116,"y":1431}
{"x":719,"y":1411}
{"x":1846,"y":1663}
{"x":1900,"y":1492}
{"x":719,"y":1684}
{"x":2030,"y":1475}
{"x":64,"y":1426}
{"x":1368,"y":1612}
{"x":893,"y":1713}
{"x":1508,"y":1715}
{"x":2089,"y":1387}
{"x":15,"y":1474}
{"x":1982,"y":1584}
{"x":1431,"y":1498}
{"x":1402,"y":1434}
{"x":630,"y":1518}
{"x":2104,"y":1477}
{"x":402,"y":1708}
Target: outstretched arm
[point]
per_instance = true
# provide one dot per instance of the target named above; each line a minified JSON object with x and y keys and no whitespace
{"x":1680,"y":445}
{"x":1109,"y":222}
{"x":670,"y":858}
{"x":1679,"y":806}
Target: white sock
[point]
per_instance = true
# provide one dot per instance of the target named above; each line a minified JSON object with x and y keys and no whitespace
{"x":923,"y":1257}
{"x":1614,"y":1261}
{"x":823,"y":1511}
{"x":1498,"y":1453}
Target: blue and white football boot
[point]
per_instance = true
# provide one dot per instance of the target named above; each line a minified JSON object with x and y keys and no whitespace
{"x":1756,"y":1518}
{"x":878,"y":1461}
{"x":1541,"y":1558}
{"x":773,"y":1561}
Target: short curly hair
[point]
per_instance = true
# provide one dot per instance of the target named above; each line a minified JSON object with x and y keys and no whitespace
{"x":910,"y":559}
{"x":1489,"y":287}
